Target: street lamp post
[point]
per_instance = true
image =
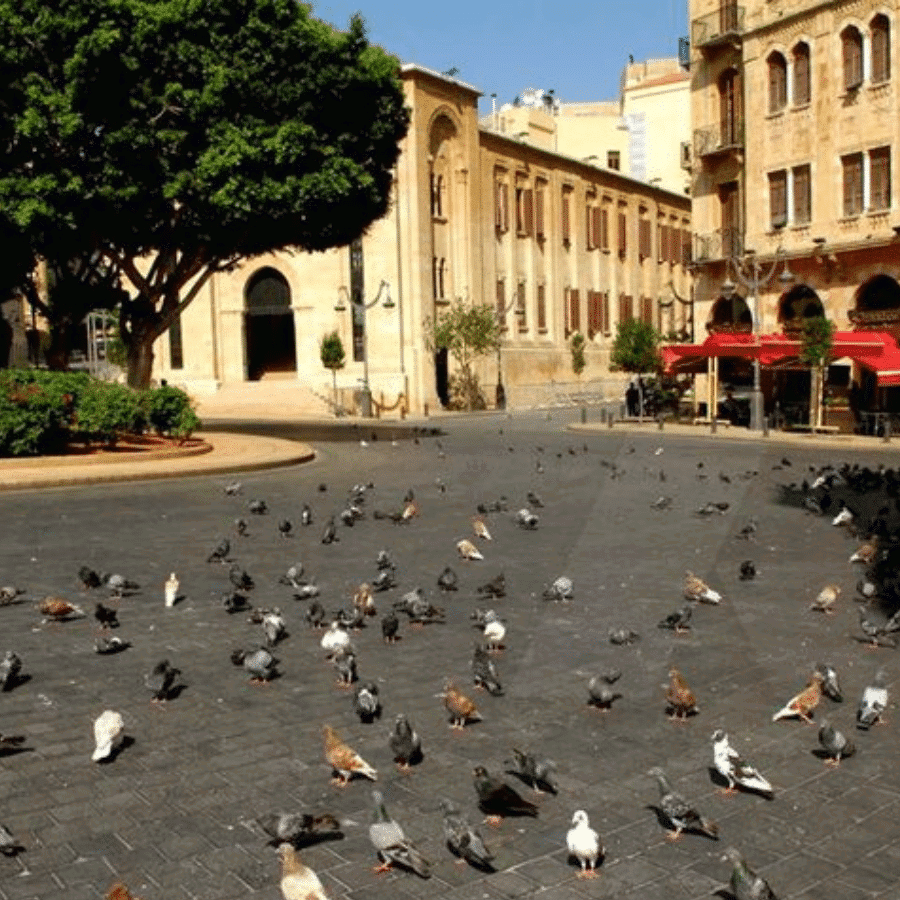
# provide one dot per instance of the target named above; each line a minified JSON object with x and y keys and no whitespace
{"x":360,"y":308}
{"x":749,"y":272}
{"x":500,"y":393}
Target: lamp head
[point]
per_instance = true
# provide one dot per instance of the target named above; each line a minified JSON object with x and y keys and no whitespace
{"x":729,"y":288}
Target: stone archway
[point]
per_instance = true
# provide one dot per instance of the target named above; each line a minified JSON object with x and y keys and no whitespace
{"x":730,"y":314}
{"x":269,"y":332}
{"x":799,"y":303}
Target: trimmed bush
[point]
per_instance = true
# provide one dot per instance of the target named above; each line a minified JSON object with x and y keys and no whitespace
{"x":106,"y":410}
{"x":169,"y":411}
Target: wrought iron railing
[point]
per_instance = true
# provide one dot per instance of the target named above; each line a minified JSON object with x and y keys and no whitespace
{"x":719,"y":244}
{"x":721,"y":137}
{"x":722,"y":26}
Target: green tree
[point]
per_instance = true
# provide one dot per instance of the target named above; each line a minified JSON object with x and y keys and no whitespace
{"x":635,"y":349}
{"x":331,"y":352}
{"x":816,"y":352}
{"x":466,"y":331}
{"x":576,"y":345}
{"x":180,"y":138}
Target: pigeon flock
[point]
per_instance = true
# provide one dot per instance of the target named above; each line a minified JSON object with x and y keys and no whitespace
{"x":441,"y":615}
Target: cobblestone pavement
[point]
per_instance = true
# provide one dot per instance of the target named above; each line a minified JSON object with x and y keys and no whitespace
{"x":173,"y":815}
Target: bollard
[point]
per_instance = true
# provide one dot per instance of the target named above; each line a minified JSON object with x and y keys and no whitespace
{"x":603,"y":415}
{"x":622,"y":411}
{"x":712,"y":425}
{"x":425,"y":410}
{"x":583,"y":415}
{"x":610,"y":420}
{"x":765,"y":426}
{"x":660,"y":421}
{"x":887,"y":431}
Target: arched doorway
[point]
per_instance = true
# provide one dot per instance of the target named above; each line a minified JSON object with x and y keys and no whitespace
{"x":799,"y":303}
{"x":730,"y":314}
{"x":269,"y":325}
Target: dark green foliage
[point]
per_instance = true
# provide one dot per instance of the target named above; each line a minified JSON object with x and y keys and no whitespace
{"x":169,"y":411}
{"x":106,"y":410}
{"x":331,"y":351}
{"x":576,"y":345}
{"x":817,"y":341}
{"x":636,"y":347}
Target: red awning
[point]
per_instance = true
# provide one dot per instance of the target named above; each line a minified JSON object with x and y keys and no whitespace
{"x":876,"y":350}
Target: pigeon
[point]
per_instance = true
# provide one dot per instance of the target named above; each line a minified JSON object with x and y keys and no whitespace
{"x":747,"y":570}
{"x":803,"y":703}
{"x":680,"y":697}
{"x":170,"y":590}
{"x":363,"y":601}
{"x":621,"y":636}
{"x":344,"y":761}
{"x":8,"y":594}
{"x":89,"y":578}
{"x":600,"y":692}
{"x":875,"y":632}
{"x":384,"y":561}
{"x":873,"y":702}
{"x":467,"y":550}
{"x":679,"y":620}
{"x":410,"y":511}
{"x":109,"y":733}
{"x":697,"y":589}
{"x":462,"y":710}
{"x":306,"y":516}
{"x":58,"y":610}
{"x":106,"y":616}
{"x":384,"y":581}
{"x":662,"y":503}
{"x":119,"y":585}
{"x":107,"y":645}
{"x":834,"y":743}
{"x":292,"y":577}
{"x":161,"y":680}
{"x":298,"y":828}
{"x":419,"y":609}
{"x":354,"y":618}
{"x":484,"y":672}
{"x":561,"y":590}
{"x":405,"y":744}
{"x":344,"y":662}
{"x":335,"y":639}
{"x":537,"y":773}
{"x":233,"y":488}
{"x":259,"y":664}
{"x":535,"y":500}
{"x":285,"y":527}
{"x":527,"y":520}
{"x":392,"y":845}
{"x":463,"y":840}
{"x":583,"y":843}
{"x":273,"y":624}
{"x":497,"y":799}
{"x":9,"y":846}
{"x":495,"y":588}
{"x":366,"y":704}
{"x":329,"y":535}
{"x":315,"y":614}
{"x":844,"y":518}
{"x":447,"y":580}
{"x":258,"y":507}
{"x":306,"y":590}
{"x":9,"y":742}
{"x":745,"y":883}
{"x":241,"y":526}
{"x":830,"y":685}
{"x":233,"y":602}
{"x":681,"y":815}
{"x":390,"y":625}
{"x":480,"y":528}
{"x":494,"y":631}
{"x":865,"y":553}
{"x":298,"y":881}
{"x":826,"y":599}
{"x":748,"y":532}
{"x":10,"y":669}
{"x":220,"y":552}
{"x":239,"y":578}
{"x":737,"y":771}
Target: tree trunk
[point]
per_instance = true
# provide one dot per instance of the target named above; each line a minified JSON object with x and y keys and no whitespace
{"x":57,"y":355}
{"x":334,"y":391}
{"x":140,"y":362}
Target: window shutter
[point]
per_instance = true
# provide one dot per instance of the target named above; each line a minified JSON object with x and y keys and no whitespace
{"x":881,"y":49}
{"x":662,"y":241}
{"x":687,"y":248}
{"x":528,"y":211}
{"x":853,"y":185}
{"x":589,"y":227}
{"x":623,"y":233}
{"x":852,"y":51}
{"x":574,"y":311}
{"x":625,"y":309}
{"x":539,"y":212}
{"x":604,"y":228}
{"x":880,"y":169}
{"x":643,"y":238}
{"x":801,"y":75}
{"x":802,"y":195}
{"x":566,"y":225}
{"x":521,"y":307}
{"x":777,"y":198}
{"x":647,"y":310}
{"x":604,"y":312}
{"x":501,"y":305}
{"x":541,"y":309}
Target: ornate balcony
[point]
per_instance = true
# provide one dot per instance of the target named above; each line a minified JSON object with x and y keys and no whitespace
{"x":719,"y":244}
{"x":721,"y":138}
{"x":724,"y":26}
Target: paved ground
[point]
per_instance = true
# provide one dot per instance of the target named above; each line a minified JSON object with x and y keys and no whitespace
{"x":172,"y":816}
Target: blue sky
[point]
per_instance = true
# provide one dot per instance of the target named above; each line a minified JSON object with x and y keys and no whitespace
{"x":576,"y":47}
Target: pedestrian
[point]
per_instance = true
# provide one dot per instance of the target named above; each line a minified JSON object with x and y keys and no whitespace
{"x":632,"y":399}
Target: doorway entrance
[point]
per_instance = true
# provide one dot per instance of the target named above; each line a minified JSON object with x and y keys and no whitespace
{"x":269,"y":326}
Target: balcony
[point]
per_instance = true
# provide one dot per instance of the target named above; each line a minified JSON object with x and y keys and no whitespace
{"x":719,"y":244}
{"x":723,"y":27}
{"x":721,"y":138}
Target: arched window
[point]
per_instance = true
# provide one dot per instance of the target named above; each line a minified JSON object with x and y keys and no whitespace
{"x":730,"y":108}
{"x":777,"y":82}
{"x":802,"y":82}
{"x":852,"y":52}
{"x":799,"y":303}
{"x":267,"y":291}
{"x":880,"y":35}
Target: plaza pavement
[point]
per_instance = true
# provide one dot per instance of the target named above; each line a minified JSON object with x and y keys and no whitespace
{"x":172,"y":816}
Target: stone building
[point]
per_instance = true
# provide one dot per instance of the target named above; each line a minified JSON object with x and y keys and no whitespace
{"x":795,"y":110}
{"x":557,"y":244}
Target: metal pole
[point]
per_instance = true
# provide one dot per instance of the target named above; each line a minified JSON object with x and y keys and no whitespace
{"x":367,"y":394}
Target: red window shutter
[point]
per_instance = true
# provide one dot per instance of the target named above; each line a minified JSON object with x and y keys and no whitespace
{"x":566,"y":225}
{"x":778,"y":198}
{"x":539,"y":212}
{"x":604,"y":312}
{"x":575,"y":310}
{"x":541,"y":308}
{"x":604,"y":229}
{"x":881,"y":49}
{"x":801,"y":75}
{"x":623,"y":233}
{"x":880,"y":168}
{"x":528,"y":211}
{"x":852,"y":52}
{"x":626,"y":308}
{"x":501,"y":305}
{"x":647,"y":310}
{"x":589,"y":227}
{"x":662,"y":242}
{"x":801,"y":195}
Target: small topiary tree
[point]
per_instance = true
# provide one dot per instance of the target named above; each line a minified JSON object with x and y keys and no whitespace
{"x":816,"y":348}
{"x":331,"y":352}
{"x":635,"y":349}
{"x":576,"y":345}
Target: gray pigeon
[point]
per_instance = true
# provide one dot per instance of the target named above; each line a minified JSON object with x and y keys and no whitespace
{"x":108,"y":645}
{"x":873,"y":702}
{"x":299,"y":828}
{"x":8,"y":594}
{"x":10,"y":667}
{"x":561,"y":589}
{"x":220,"y":552}
{"x":745,"y":883}
{"x":405,"y":744}
{"x":621,"y":636}
{"x":273,"y":625}
{"x":538,"y":773}
{"x":600,"y":691}
{"x":119,"y":585}
{"x":9,"y":846}
{"x":834,"y":743}
{"x":463,"y":840}
{"x":679,"y":812}
{"x":447,"y":580}
{"x":315,"y":614}
{"x":259,"y":663}
{"x":526,"y":519}
{"x":391,"y":844}
{"x":831,"y":688}
{"x":484,"y":671}
{"x":344,"y":662}
{"x":419,"y":609}
{"x":161,"y":681}
{"x":366,"y":703}
{"x":679,"y":620}
{"x":292,"y":577}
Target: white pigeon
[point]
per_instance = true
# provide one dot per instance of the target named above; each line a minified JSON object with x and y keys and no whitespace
{"x":467,"y":550}
{"x":335,"y":639}
{"x":844,"y":517}
{"x":584,"y":844}
{"x":494,"y":631}
{"x":729,"y":764}
{"x":170,"y":589}
{"x":109,"y":731}
{"x":873,"y":702}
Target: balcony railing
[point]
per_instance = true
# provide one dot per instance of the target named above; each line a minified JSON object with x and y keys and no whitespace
{"x":719,"y":244}
{"x":723,"y":26}
{"x":723,"y":137}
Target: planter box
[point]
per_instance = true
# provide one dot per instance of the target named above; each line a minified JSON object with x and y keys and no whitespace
{"x":841,"y":417}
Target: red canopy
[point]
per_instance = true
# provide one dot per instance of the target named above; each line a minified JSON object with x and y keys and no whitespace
{"x":876,"y":350}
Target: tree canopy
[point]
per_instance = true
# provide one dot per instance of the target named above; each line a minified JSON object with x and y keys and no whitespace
{"x":180,"y":137}
{"x":636,"y":347}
